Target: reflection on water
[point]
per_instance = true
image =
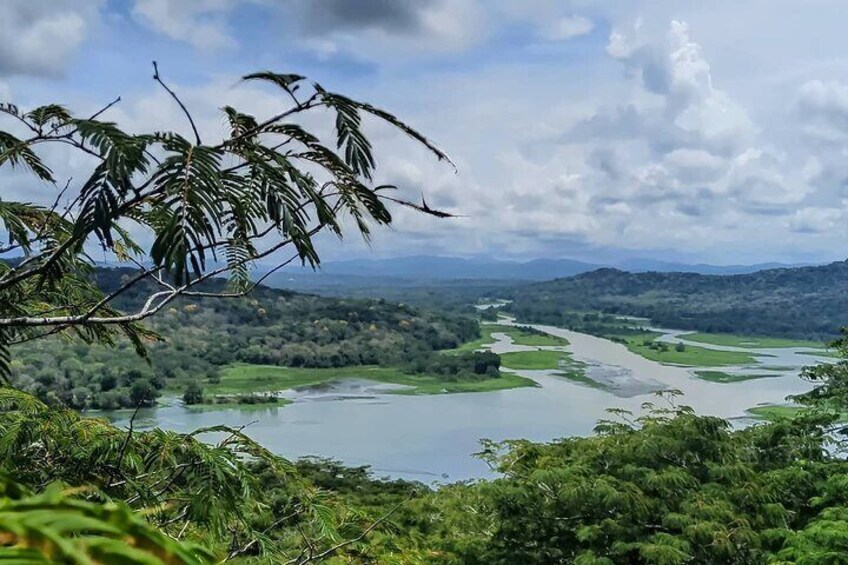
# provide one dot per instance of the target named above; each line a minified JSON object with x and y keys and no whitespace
{"x":431,"y":437}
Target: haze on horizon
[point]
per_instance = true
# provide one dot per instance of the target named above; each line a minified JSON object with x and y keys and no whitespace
{"x":670,"y":130}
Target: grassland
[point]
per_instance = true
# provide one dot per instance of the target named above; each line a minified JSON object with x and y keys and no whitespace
{"x":246,"y":379}
{"x":750,"y":342}
{"x":722,"y":377}
{"x":822,"y":353}
{"x":691,"y":356}
{"x":577,"y":375}
{"x":532,"y":360}
{"x":519,"y":337}
{"x":773,"y":412}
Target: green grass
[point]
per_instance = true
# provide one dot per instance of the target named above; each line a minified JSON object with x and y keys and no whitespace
{"x":692,"y":356}
{"x":532,"y":360}
{"x":778,"y":368}
{"x":773,"y":412}
{"x":749,"y":341}
{"x":241,"y":379}
{"x":822,"y":353}
{"x":578,"y":376}
{"x":485,"y":339}
{"x":722,"y":377}
{"x":518,"y":336}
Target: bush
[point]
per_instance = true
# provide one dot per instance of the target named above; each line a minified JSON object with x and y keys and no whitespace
{"x":193,"y":394}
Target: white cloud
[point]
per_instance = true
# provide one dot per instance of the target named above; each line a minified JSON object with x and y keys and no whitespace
{"x":703,"y":127}
{"x":201,"y":23}
{"x":38,"y":38}
{"x":567,"y":28}
{"x":824,"y":109}
{"x":816,"y":220}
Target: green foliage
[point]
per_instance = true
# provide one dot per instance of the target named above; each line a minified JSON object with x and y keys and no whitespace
{"x":193,"y":394}
{"x":667,"y":487}
{"x":174,"y":486}
{"x":55,"y":527}
{"x":202,"y":335}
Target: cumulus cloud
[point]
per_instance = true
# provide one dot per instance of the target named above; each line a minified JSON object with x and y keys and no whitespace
{"x":38,"y":38}
{"x":679,"y":129}
{"x":201,"y":23}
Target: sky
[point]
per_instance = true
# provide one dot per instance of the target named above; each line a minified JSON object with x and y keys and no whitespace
{"x":599,"y":130}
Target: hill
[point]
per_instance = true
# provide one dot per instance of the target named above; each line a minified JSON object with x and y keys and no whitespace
{"x":800,"y":302}
{"x":269,"y":327}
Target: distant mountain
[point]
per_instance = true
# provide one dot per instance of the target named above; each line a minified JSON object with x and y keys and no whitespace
{"x":432,"y":267}
{"x":797,"y":302}
{"x":651,"y":265}
{"x":427,"y":267}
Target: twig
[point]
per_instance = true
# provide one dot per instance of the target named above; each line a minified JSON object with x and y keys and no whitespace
{"x":104,"y":108}
{"x":244,"y":549}
{"x":180,"y":102}
{"x":129,"y":433}
{"x":351,"y":541}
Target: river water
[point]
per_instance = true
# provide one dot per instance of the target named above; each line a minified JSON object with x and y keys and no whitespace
{"x":431,"y":438}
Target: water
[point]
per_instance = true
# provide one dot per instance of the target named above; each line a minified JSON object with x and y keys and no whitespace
{"x":432,"y":438}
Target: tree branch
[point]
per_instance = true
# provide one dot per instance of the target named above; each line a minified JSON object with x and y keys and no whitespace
{"x":341,"y":545}
{"x":180,"y":102}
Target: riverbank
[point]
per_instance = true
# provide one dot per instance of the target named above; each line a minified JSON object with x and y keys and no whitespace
{"x":515,"y":333}
{"x":687,"y":356}
{"x":244,"y":379}
{"x":749,"y":342}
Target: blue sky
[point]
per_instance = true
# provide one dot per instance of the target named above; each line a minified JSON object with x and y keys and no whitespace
{"x":607,"y":129}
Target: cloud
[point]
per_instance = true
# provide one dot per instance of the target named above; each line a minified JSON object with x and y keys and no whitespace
{"x":823,"y":108}
{"x":393,"y":16}
{"x":689,"y":132}
{"x":201,"y":23}
{"x":816,"y":220}
{"x":38,"y":38}
{"x":387,"y":29}
{"x":567,"y":28}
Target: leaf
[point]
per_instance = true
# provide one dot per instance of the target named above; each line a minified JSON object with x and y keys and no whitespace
{"x":284,"y":81}
{"x":43,"y":115}
{"x":17,"y":153}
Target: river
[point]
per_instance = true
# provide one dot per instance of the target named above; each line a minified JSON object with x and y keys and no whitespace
{"x":431,"y":438}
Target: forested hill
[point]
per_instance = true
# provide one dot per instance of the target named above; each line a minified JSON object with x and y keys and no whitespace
{"x":270,"y":326}
{"x":802,"y":302}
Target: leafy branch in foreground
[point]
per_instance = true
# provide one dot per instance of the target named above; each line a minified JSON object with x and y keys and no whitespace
{"x":263,"y":191}
{"x":181,"y":211}
{"x":203,"y":487}
{"x":53,"y":527}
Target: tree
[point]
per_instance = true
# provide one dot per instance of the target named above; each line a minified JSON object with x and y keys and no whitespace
{"x":193,"y":394}
{"x":142,"y":393}
{"x":206,"y":209}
